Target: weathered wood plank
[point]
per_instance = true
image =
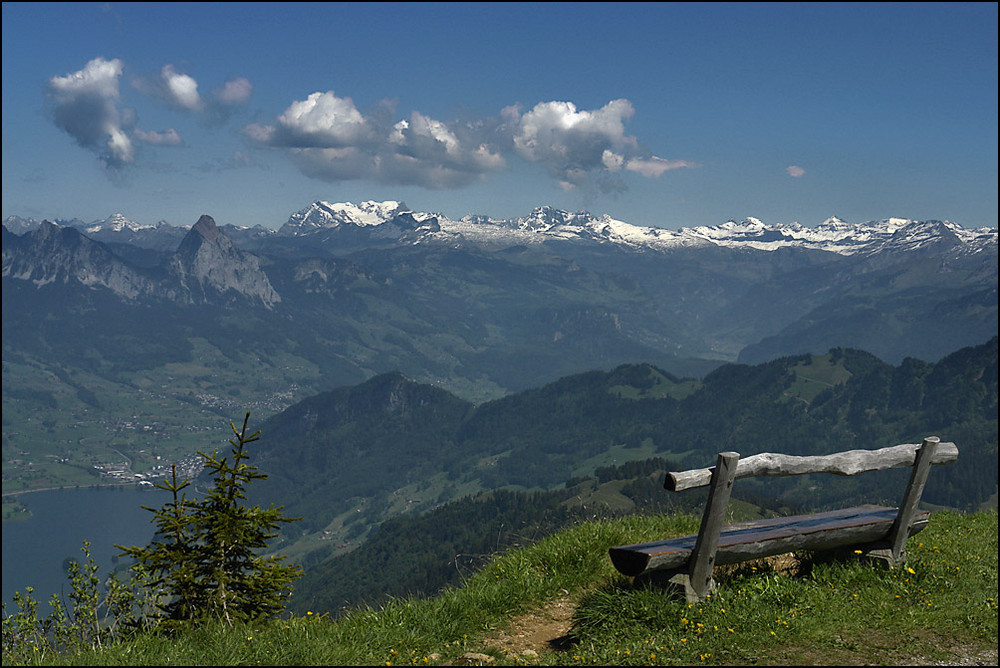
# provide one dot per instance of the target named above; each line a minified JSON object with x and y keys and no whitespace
{"x":762,"y":538}
{"x":712,"y":521}
{"x":846,"y":463}
{"x":911,"y":499}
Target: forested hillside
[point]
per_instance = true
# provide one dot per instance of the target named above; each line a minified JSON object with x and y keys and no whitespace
{"x":351,"y":459}
{"x":389,"y":432}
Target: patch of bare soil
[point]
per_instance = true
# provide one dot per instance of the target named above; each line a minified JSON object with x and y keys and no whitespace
{"x":963,"y":656}
{"x":544,"y":629}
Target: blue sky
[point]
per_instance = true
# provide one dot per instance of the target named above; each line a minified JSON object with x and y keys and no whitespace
{"x":658,"y":114}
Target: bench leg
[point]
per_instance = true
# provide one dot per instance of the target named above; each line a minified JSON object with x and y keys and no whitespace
{"x":894,"y":553}
{"x":698,"y":581}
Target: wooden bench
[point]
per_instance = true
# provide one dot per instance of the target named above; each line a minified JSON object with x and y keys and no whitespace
{"x":874,"y":531}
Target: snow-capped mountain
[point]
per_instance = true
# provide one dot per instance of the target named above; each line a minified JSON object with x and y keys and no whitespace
{"x":117,"y":222}
{"x":376,"y":283}
{"x":19,"y":225}
{"x":548,"y":224}
{"x":323,"y":215}
{"x":392,"y":221}
{"x":837,"y":236}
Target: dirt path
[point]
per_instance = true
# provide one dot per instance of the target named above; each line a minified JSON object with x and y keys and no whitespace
{"x":538,"y":631}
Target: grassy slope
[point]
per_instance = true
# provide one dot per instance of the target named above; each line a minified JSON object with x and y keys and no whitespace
{"x":941,"y":607}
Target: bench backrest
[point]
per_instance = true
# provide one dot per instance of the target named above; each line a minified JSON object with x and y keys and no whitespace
{"x":851,"y":462}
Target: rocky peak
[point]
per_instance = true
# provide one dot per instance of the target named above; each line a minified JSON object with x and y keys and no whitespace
{"x":205,"y":231}
{"x":207,"y":264}
{"x":55,"y":254}
{"x":207,"y":228}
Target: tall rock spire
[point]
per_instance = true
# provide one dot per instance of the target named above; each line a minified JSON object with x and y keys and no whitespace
{"x":207,"y":264}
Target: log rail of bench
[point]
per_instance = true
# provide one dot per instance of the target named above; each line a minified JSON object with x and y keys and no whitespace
{"x":851,"y":462}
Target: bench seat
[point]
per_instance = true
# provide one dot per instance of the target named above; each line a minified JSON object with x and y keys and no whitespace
{"x":761,"y":538}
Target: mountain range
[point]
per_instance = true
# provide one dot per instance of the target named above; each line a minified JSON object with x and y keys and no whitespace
{"x":547,"y":224}
{"x":740,"y":290}
{"x":177,"y":325}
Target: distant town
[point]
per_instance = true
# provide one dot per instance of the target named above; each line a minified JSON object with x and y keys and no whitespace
{"x":122,"y":473}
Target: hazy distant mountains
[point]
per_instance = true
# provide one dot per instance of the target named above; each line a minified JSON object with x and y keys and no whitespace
{"x":367,"y":288}
{"x":206,"y":265}
{"x":391,"y":220}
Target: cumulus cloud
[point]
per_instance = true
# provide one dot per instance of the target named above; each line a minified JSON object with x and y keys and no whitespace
{"x":180,"y":91}
{"x":86,"y":105}
{"x":795,"y":171}
{"x":567,"y":140}
{"x":329,"y":138}
{"x":584,"y":148}
{"x":322,"y":120}
{"x":457,"y":146}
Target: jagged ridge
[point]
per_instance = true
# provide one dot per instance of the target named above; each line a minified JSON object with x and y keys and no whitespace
{"x":548,"y":224}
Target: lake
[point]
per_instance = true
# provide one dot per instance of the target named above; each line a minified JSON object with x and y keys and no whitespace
{"x":34,"y":550}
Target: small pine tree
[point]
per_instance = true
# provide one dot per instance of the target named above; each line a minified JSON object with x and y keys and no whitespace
{"x":207,"y":562}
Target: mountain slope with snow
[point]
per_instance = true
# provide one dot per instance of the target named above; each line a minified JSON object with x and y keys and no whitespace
{"x":547,"y":224}
{"x":550,"y":225}
{"x":552,"y":285}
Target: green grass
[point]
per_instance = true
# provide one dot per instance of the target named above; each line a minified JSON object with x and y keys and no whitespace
{"x":833,"y":612}
{"x":814,"y":376}
{"x":663,"y":388}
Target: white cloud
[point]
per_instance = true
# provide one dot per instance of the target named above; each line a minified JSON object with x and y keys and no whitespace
{"x":181,"y":90}
{"x":322,"y":120}
{"x":795,"y":171}
{"x":576,"y":145}
{"x":436,"y":144}
{"x":328,"y":138}
{"x":564,"y":138}
{"x":167,"y":138}
{"x":612,"y":161}
{"x":234,"y":92}
{"x":225,"y":100}
{"x":178,"y":90}
{"x":85,"y":105}
{"x":120,"y":146}
{"x":652,"y":167}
